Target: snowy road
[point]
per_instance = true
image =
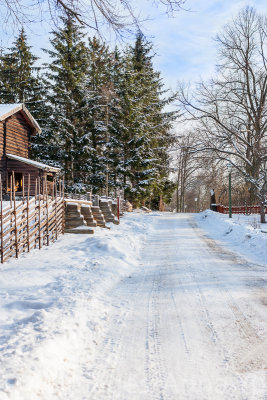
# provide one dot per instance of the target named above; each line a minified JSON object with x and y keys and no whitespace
{"x":89,"y":321}
{"x":187,"y":325}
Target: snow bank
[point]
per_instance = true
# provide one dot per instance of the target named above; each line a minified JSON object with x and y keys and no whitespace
{"x":243,"y":233}
{"x":54,"y":304}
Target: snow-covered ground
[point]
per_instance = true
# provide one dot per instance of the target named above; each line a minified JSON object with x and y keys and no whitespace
{"x":241,"y":233}
{"x":151,"y":309}
{"x":53,"y":307}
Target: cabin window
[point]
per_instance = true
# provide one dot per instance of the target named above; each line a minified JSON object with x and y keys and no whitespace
{"x":18,"y":181}
{"x":50,"y":178}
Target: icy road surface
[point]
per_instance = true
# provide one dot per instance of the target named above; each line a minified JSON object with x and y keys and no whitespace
{"x":187,"y":322}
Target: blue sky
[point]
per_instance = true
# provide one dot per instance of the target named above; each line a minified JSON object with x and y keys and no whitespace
{"x":184,"y":44}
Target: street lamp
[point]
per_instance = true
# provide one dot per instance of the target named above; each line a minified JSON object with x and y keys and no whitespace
{"x":229,"y":166}
{"x":196,"y":204}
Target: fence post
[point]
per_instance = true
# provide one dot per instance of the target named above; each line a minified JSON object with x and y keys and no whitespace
{"x":47,"y":212}
{"x":39,"y":209}
{"x":63,"y":206}
{"x":89,"y":196}
{"x":96,"y":200}
{"x":11,"y":195}
{"x":1,"y":198}
{"x":15,"y":215}
{"x":28,"y":227}
{"x":23,"y":192}
{"x":56,"y":206}
{"x":118,"y":208}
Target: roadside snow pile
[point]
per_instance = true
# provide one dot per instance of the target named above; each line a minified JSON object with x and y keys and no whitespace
{"x":243,"y":233}
{"x":54,"y":304}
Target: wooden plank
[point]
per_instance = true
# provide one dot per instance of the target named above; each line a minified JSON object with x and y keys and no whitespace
{"x":15,"y":215}
{"x":10,"y":229}
{"x":39,"y":220}
{"x":10,"y":240}
{"x":39,"y":212}
{"x":56,"y":217}
{"x":10,"y":194}
{"x":1,"y":198}
{"x":28,"y":205}
{"x":63,"y":198}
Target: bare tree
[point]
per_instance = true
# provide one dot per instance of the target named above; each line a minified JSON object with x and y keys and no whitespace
{"x":187,"y":165}
{"x":231,"y":109}
{"x":117,"y":14}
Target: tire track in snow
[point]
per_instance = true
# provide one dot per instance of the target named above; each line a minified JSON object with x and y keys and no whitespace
{"x":166,"y":339}
{"x":109,"y":352}
{"x":250,"y":353}
{"x":155,"y":367}
{"x":163,"y":318}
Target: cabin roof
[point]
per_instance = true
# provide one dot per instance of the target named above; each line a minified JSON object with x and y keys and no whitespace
{"x":6,"y":110}
{"x":36,"y":164}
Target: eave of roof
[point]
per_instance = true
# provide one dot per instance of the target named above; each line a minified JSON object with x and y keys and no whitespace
{"x":6,"y":110}
{"x":36,"y":164}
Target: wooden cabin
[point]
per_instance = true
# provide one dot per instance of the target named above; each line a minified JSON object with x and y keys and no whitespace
{"x":17,"y":126}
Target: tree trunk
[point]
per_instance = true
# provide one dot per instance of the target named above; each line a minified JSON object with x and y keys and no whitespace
{"x":161,"y":204}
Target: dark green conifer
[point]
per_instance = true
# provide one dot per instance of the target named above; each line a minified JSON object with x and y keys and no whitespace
{"x":148,"y":124}
{"x":19,"y":82}
{"x":66,"y":76}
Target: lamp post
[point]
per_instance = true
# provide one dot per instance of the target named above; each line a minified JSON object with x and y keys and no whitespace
{"x":196,"y":204}
{"x":229,"y":166}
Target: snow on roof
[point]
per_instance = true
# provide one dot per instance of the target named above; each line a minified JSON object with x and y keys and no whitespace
{"x":36,"y":164}
{"x":6,"y":110}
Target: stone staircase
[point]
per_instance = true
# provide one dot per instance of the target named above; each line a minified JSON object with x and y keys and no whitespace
{"x":86,"y":212}
{"x":106,"y":208}
{"x":98,"y":216}
{"x":74,"y":221}
{"x":80,"y":217}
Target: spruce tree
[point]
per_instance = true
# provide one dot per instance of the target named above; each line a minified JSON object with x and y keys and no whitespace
{"x":66,"y":75}
{"x":117,"y":131}
{"x":98,"y":99}
{"x":148,"y":126}
{"x":19,"y":81}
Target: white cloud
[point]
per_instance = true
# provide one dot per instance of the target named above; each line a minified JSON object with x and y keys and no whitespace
{"x":185,"y":46}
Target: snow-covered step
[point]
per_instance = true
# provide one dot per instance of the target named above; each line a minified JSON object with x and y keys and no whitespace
{"x":73,"y":217}
{"x":98,"y":216}
{"x":86,"y":212}
{"x":106,"y":208}
{"x":85,"y":230}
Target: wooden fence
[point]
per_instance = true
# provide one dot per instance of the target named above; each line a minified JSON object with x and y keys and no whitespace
{"x":240,"y":209}
{"x":30,"y":222}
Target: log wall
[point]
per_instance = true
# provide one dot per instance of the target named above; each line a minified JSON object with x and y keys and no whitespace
{"x":14,"y":139}
{"x":25,"y":169}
